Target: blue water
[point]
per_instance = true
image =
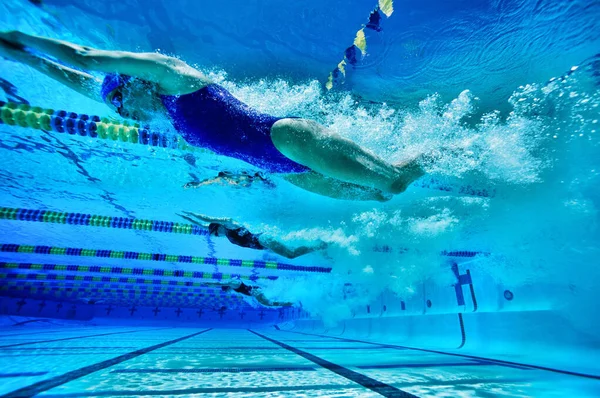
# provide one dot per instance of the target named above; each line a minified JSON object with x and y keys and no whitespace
{"x":480,"y":280}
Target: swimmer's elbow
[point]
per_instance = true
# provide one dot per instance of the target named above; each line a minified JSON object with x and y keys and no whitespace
{"x":94,"y":59}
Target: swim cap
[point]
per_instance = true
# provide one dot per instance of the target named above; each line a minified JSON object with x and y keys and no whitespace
{"x":111,"y":82}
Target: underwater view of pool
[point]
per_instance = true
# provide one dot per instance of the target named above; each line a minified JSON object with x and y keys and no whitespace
{"x":324,"y":199}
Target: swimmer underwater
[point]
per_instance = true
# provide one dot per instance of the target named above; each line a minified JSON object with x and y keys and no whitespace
{"x":242,"y":237}
{"x":140,"y":86}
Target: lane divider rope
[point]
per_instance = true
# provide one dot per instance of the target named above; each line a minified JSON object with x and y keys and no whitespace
{"x":129,"y":255}
{"x":106,"y":279}
{"x":27,"y":116}
{"x":125,"y":287}
{"x":123,"y":292}
{"x":127,"y":271}
{"x":28,"y":292}
{"x":46,"y":216}
{"x":358,"y":49}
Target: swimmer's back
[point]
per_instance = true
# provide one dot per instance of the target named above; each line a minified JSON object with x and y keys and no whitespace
{"x":244,"y":238}
{"x":213,"y":118}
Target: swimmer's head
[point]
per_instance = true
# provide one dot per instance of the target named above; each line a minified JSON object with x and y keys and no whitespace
{"x":216,"y":229}
{"x":130,"y":97}
{"x":111,"y":82}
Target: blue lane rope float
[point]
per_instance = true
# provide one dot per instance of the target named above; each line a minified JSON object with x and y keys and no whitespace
{"x":358,"y":49}
{"x":128,"y":255}
{"x":463,"y":253}
{"x":24,"y":115}
{"x":128,"y":271}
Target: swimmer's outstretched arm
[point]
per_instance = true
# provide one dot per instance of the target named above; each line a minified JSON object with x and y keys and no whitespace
{"x":208,"y":181}
{"x":82,"y":82}
{"x":225,"y":221}
{"x":172,"y":75}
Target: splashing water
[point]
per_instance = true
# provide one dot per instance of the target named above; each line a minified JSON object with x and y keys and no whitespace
{"x":541,"y":228}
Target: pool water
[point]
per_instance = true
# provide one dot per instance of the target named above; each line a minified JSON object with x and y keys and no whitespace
{"x":480,"y":280}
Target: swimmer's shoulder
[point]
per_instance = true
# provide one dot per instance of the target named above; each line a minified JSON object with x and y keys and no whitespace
{"x":180,"y":78}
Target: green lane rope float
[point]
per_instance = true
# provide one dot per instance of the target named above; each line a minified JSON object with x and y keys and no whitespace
{"x":67,"y":251}
{"x":23,"y":115}
{"x":358,"y":49}
{"x":125,"y":271}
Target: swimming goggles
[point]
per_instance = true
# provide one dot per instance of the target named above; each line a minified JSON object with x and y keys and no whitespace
{"x":117,"y":101}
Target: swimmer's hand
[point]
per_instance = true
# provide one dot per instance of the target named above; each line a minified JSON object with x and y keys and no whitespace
{"x":192,"y":184}
{"x":11,"y":50}
{"x":11,"y":36}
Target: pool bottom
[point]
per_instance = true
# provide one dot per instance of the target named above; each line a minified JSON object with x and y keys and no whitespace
{"x":165,"y":361}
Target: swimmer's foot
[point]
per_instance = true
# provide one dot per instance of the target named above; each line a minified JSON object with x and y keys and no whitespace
{"x":407,"y":172}
{"x":412,"y":169}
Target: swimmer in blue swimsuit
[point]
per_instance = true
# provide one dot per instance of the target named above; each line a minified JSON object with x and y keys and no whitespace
{"x":240,"y":287}
{"x":240,"y":236}
{"x":140,"y":86}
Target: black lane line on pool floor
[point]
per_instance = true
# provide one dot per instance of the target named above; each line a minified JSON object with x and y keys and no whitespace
{"x":77,"y":337}
{"x":46,"y":385}
{"x":376,"y":386}
{"x":499,"y":362}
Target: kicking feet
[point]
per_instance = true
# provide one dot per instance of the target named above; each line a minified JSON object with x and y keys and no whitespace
{"x":407,"y":172}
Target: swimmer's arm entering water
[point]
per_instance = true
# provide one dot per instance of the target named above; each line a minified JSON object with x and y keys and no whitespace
{"x":172,"y":75}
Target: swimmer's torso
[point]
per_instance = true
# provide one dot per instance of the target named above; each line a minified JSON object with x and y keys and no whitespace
{"x":244,"y":238}
{"x":213,"y":118}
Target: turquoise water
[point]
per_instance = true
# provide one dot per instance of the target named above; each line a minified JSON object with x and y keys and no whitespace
{"x":488,"y":263}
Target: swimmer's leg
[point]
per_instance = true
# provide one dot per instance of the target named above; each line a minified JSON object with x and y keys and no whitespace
{"x":286,"y":251}
{"x":327,"y":186}
{"x":310,"y":144}
{"x":268,"y":303}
